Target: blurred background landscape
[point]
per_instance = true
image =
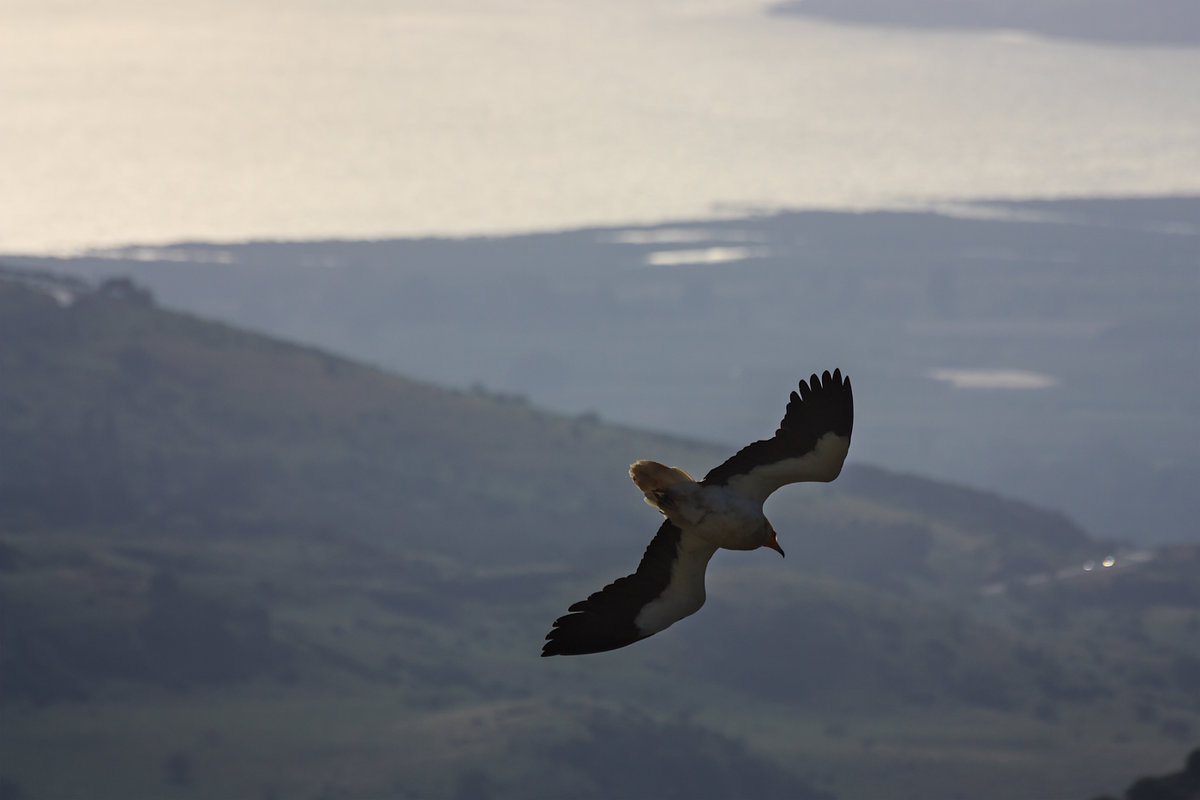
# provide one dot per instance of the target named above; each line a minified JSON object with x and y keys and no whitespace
{"x":328,"y":332}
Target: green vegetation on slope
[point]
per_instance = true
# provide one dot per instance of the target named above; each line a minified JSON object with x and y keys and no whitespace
{"x":235,"y":567}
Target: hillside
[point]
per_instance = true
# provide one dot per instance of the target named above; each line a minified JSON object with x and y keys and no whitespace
{"x":232,"y":566}
{"x":122,"y":412}
{"x":1044,"y":350}
{"x":1180,"y":785}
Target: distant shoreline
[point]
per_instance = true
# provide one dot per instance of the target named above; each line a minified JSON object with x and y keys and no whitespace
{"x":1174,"y":23}
{"x":1031,"y":209}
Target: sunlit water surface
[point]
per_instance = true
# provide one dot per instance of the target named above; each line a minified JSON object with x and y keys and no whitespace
{"x":130,"y":121}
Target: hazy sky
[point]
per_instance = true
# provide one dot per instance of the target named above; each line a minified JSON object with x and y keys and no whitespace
{"x":136,"y":121}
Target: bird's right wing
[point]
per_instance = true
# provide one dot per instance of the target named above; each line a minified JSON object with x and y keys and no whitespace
{"x":667,"y":586}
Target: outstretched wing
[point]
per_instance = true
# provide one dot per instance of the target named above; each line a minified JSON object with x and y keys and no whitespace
{"x":810,"y":445}
{"x":667,"y":586}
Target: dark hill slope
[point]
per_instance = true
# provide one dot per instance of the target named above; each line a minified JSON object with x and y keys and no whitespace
{"x":116,"y":411}
{"x":230,"y":566}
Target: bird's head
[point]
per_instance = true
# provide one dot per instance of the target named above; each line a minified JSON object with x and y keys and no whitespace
{"x":772,"y":540}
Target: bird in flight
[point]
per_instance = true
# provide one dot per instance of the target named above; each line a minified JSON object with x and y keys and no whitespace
{"x":723,"y":510}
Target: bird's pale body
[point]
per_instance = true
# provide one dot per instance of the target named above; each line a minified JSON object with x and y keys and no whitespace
{"x":719,"y":515}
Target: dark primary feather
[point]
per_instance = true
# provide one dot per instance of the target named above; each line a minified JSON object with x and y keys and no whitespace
{"x":605,"y":621}
{"x":824,"y":405}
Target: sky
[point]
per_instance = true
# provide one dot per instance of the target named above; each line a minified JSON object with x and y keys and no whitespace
{"x":129,"y":121}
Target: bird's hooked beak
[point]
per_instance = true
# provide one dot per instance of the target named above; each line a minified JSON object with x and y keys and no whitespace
{"x":773,"y":542}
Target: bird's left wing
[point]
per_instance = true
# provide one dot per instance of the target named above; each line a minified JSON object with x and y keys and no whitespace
{"x":810,"y":445}
{"x":667,"y":586}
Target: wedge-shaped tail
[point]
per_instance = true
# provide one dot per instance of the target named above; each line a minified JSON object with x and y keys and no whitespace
{"x":654,"y":479}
